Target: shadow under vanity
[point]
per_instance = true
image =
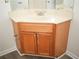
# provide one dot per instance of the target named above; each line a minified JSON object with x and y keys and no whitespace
{"x":42,"y":29}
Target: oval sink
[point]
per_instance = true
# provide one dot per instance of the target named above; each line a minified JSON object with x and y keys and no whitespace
{"x":40,"y":13}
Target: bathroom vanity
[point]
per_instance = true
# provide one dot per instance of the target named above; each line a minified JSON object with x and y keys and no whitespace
{"x":44,"y":34}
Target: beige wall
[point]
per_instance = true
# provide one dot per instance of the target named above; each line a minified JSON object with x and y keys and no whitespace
{"x":6,"y":33}
{"x":34,"y":4}
{"x":16,"y":5}
{"x":73,"y":45}
{"x":68,"y":3}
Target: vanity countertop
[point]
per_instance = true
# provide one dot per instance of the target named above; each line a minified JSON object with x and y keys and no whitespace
{"x":50,"y":16}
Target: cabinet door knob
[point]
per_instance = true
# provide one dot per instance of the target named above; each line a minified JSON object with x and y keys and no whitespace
{"x":15,"y":35}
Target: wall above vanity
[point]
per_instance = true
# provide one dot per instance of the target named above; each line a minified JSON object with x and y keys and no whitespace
{"x":40,"y":4}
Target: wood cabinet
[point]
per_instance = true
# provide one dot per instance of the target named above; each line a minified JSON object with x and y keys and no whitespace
{"x":41,"y":38}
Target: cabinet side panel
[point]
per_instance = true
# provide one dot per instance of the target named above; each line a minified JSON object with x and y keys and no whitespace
{"x":16,"y":35}
{"x":61,"y":38}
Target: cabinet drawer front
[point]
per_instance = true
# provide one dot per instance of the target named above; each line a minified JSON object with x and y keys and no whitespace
{"x":35,"y":27}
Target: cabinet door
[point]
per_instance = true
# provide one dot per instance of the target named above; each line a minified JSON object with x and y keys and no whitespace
{"x":45,"y":45}
{"x":28,"y":42}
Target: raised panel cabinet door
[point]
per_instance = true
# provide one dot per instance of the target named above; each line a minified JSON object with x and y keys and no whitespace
{"x":45,"y":44}
{"x":28,"y":42}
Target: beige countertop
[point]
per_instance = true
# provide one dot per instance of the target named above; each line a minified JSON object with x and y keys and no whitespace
{"x":50,"y":16}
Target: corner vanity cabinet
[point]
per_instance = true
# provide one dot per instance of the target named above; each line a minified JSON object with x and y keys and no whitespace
{"x":41,"y":39}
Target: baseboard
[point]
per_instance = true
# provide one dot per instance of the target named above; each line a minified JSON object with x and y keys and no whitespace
{"x":61,"y":56}
{"x":7,"y":51}
{"x":72,"y":55}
